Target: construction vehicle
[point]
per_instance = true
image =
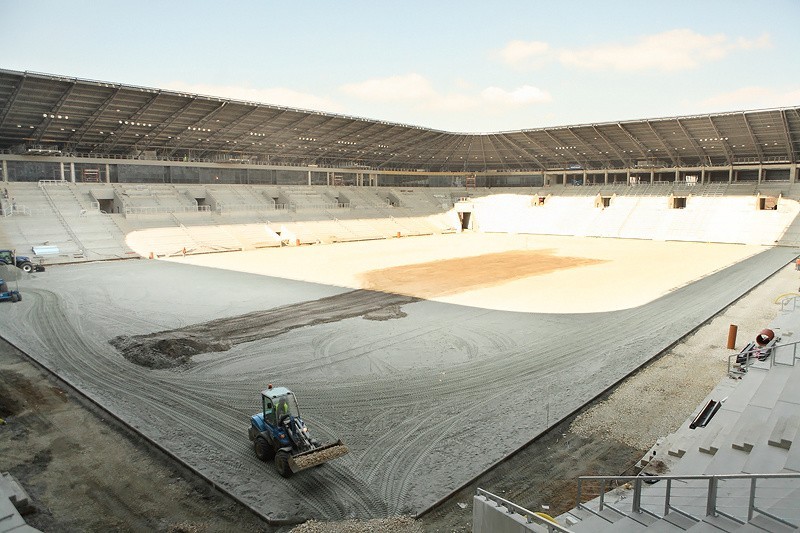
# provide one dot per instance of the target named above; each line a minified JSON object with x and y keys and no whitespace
{"x":8,"y":257}
{"x":7,"y":294}
{"x":279,"y":434}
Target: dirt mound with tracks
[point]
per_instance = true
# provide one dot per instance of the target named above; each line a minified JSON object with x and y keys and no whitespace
{"x":171,"y":348}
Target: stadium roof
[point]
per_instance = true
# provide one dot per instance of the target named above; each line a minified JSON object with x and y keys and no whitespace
{"x":42,"y":113}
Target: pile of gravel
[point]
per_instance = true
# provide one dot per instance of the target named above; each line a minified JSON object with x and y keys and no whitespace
{"x":395,"y":524}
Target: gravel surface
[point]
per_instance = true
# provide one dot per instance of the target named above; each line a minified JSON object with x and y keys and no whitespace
{"x":666,"y":392}
{"x":397,"y":524}
{"x":414,"y":397}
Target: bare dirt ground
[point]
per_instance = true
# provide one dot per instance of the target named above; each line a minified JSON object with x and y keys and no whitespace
{"x":84,"y":472}
{"x":450,"y":276}
{"x":410,"y":395}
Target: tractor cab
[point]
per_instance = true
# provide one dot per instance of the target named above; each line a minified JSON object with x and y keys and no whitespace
{"x":278,"y":403}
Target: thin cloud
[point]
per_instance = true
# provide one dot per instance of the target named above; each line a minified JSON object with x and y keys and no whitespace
{"x":524,"y":53}
{"x":672,"y":50}
{"x":280,"y":96}
{"x":753,"y":97}
{"x":418,"y":91}
{"x":406,"y":87}
{"x":521,"y":96}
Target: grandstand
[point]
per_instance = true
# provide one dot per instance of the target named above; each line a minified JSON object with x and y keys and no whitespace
{"x":105,"y":171}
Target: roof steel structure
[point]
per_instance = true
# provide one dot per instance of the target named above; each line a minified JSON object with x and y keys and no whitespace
{"x":42,"y":114}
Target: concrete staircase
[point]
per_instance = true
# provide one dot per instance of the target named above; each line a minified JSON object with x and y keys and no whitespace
{"x":739,"y":473}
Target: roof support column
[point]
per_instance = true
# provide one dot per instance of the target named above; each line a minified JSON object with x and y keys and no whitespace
{"x":628,"y":177}
{"x":72,"y":171}
{"x":652,"y":176}
{"x":760,"y":173}
{"x":703,"y":176}
{"x":730,"y":175}
{"x":584,"y":178}
{"x":792,"y":172}
{"x":61,"y":170}
{"x":605,"y":177}
{"x":108,"y":173}
{"x":5,"y":172}
{"x":677,"y":175}
{"x":309,"y":178}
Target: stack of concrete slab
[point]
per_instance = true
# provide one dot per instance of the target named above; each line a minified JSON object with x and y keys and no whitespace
{"x":14,"y":502}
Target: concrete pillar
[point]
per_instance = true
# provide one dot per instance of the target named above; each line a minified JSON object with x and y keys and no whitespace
{"x":5,"y":172}
{"x":652,"y":177}
{"x":792,"y":172}
{"x":565,"y":178}
{"x":584,"y":178}
{"x":628,"y":177}
{"x":61,"y":169}
{"x":730,"y":175}
{"x":677,"y":175}
{"x":309,"y":177}
{"x":108,"y":173}
{"x":605,"y":177}
{"x":72,"y":171}
{"x":760,"y":173}
{"x":702,"y":176}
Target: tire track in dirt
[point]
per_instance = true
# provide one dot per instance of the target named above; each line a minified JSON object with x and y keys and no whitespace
{"x":181,"y":408}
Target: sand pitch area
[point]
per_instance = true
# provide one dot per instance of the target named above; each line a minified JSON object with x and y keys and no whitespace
{"x":426,"y":391}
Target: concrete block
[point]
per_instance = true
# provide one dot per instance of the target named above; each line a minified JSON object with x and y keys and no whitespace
{"x":750,"y":428}
{"x":767,"y":524}
{"x":668,"y":525}
{"x":11,"y":489}
{"x":711,"y":441}
{"x":9,"y":517}
{"x":770,"y":389}
{"x":720,"y":523}
{"x":488,"y":517}
{"x":785,"y":431}
{"x":678,"y":447}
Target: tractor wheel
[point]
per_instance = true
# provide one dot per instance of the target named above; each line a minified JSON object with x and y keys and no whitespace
{"x":263,"y":450}
{"x":15,"y":298}
{"x":282,"y":464}
{"x":26,"y":267}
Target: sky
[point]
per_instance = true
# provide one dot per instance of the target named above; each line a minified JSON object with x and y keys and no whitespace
{"x":459,"y":66}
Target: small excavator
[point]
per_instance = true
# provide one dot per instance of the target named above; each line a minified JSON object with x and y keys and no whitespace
{"x":279,"y":434}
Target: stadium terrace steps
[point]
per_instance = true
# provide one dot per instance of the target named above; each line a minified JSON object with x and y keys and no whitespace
{"x":755,"y":432}
{"x":331,"y":214}
{"x":164,"y":219}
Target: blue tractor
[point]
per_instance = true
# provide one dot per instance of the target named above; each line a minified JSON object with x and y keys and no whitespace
{"x":279,"y":434}
{"x":9,"y":257}
{"x":7,"y":294}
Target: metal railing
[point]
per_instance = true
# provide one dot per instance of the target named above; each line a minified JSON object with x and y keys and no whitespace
{"x":530,"y":516}
{"x":42,"y":183}
{"x":758,"y":354}
{"x":711,"y":492}
{"x":160,"y":209}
